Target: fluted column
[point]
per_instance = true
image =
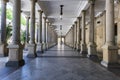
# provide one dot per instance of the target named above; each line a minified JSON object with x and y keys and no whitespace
{"x":44,"y":33}
{"x":91,"y":45}
{"x":39,"y":44}
{"x":3,"y":44}
{"x":32,"y":45}
{"x":83,"y":44}
{"x":15,"y":50}
{"x":78,"y":33}
{"x":110,"y":50}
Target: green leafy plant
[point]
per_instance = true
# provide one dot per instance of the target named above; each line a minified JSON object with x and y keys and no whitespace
{"x":8,"y":32}
{"x":23,"y":33}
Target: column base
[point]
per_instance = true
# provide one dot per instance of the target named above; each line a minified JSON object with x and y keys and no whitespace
{"x":93,"y":58}
{"x":15,"y":63}
{"x":15,"y":56}
{"x":83,"y":50}
{"x":78,"y":50}
{"x":31,"y":51}
{"x":39,"y":48}
{"x":78,"y":47}
{"x":83,"y":53}
{"x":46,"y":46}
{"x":110,"y":56}
{"x":110,"y":65}
{"x":92,"y":53}
{"x":92,"y":50}
{"x":74,"y":47}
{"x":26,"y":47}
{"x":3,"y":50}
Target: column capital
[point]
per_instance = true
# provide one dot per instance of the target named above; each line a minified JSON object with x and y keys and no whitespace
{"x":79,"y":18}
{"x":44,"y":18}
{"x":73,"y":25}
{"x":92,"y":2}
{"x":21,"y":11}
{"x":5,"y":1}
{"x":75,"y":22}
{"x":83,"y":11}
{"x":40,"y":11}
{"x":34,"y":0}
{"x":27,"y":17}
{"x":47,"y":22}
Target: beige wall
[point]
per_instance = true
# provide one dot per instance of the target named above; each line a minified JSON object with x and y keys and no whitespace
{"x":100,"y":23}
{"x":69,"y":38}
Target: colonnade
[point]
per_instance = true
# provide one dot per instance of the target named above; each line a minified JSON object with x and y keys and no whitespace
{"x":75,"y":38}
{"x":110,"y":50}
{"x":15,"y":54}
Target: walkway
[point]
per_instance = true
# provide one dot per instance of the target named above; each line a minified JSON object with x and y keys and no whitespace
{"x":61,"y":63}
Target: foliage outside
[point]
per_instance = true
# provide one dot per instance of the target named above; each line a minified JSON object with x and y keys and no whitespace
{"x":9,"y":27}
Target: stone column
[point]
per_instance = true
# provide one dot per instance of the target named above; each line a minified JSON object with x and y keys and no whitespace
{"x":32,"y":45}
{"x":36,"y":32}
{"x":39,"y":44}
{"x":78,"y":34}
{"x":75,"y":35}
{"x":15,"y":50}
{"x":110,"y":50}
{"x":91,"y":45}
{"x":83,"y":44}
{"x":3,"y":43}
{"x":47,"y":35}
{"x":44,"y":33}
{"x":27,"y":31}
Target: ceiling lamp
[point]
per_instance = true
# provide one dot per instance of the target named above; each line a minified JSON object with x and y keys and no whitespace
{"x":61,"y":11}
{"x":60,"y":27}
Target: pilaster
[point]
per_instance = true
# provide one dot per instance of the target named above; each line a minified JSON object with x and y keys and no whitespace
{"x":83,"y":43}
{"x":110,"y":50}
{"x":92,"y":53}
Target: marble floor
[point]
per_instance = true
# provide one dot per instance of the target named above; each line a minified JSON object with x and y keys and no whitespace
{"x":58,"y":63}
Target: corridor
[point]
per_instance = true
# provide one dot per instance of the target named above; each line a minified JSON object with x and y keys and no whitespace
{"x":60,"y":63}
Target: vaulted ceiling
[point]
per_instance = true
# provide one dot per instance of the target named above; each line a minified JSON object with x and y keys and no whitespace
{"x":71,"y":10}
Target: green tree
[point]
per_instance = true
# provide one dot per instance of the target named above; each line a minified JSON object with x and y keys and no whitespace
{"x":23,"y":21}
{"x":9,"y":14}
{"x":23,"y":33}
{"x":8,"y":32}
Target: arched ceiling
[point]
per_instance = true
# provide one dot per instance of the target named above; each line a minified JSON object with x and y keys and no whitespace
{"x":71,"y":10}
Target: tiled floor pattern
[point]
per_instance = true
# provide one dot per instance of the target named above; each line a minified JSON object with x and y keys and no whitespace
{"x":61,"y":63}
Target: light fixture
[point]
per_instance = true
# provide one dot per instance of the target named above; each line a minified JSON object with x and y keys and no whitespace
{"x":60,"y":27}
{"x":61,"y":11}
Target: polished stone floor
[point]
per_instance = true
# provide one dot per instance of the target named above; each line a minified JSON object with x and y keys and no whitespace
{"x":59,"y":63}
